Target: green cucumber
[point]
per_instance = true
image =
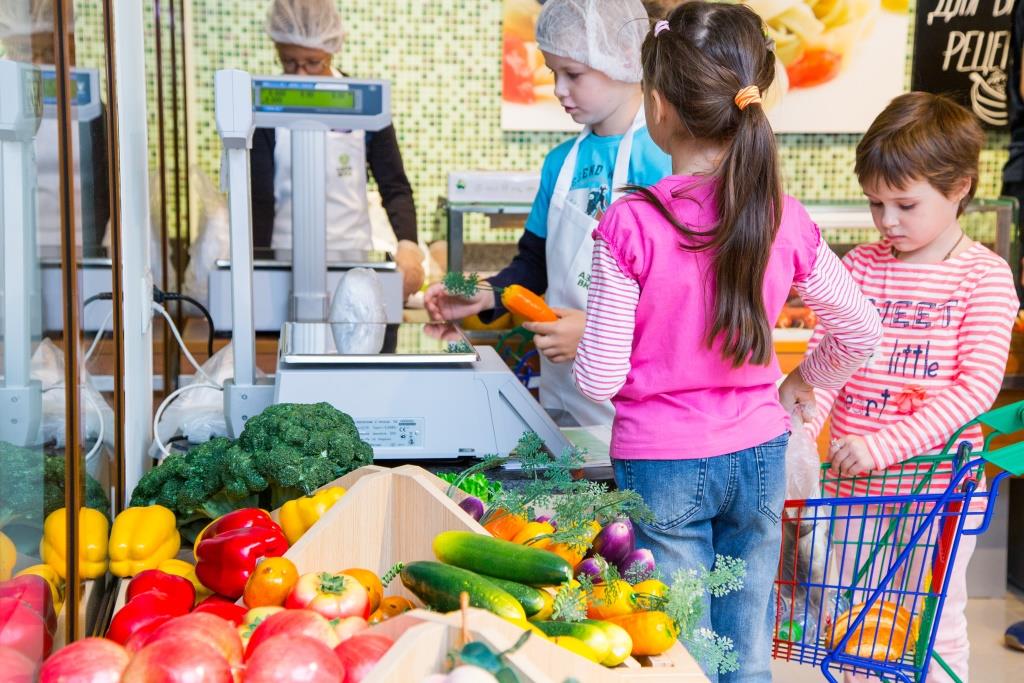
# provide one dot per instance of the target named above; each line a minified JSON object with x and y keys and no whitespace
{"x":594,"y":636}
{"x":502,"y":559}
{"x":439,"y":585}
{"x":529,"y":597}
{"x":620,"y":644}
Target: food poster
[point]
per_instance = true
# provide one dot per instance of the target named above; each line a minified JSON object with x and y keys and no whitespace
{"x":962,"y":49}
{"x":840,"y":62}
{"x":527,"y":86}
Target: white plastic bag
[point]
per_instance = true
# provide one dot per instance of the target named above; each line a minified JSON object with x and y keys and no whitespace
{"x":358,"y":319}
{"x":803,"y":467}
{"x":48,"y":368}
{"x":198,"y":414}
{"x":212,"y":242}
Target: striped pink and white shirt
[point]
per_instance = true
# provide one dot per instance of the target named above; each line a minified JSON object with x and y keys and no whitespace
{"x":941,"y":361}
{"x":648,"y":307}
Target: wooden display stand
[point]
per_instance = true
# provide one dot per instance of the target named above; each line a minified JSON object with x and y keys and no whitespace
{"x":392,"y":515}
{"x":422,"y":640}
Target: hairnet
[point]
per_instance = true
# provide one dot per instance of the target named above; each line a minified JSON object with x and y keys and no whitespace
{"x":20,"y":18}
{"x":606,"y":35}
{"x":315,"y":24}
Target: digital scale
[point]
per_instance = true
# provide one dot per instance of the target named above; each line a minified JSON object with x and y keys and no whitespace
{"x":415,"y":391}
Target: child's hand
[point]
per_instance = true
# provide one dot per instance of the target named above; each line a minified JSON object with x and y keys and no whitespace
{"x":850,"y":456}
{"x":797,"y":396}
{"x":559,"y":340}
{"x":443,"y":306}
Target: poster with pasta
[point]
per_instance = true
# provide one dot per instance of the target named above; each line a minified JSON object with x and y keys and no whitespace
{"x":840,"y":61}
{"x":528,"y":99}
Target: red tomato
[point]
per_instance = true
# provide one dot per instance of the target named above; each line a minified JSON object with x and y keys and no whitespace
{"x":331,"y":595}
{"x":816,"y":66}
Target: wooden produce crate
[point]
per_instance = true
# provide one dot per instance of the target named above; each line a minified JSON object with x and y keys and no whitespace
{"x":422,"y":640}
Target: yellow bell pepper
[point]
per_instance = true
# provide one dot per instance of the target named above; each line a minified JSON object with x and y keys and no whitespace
{"x":300,"y":514}
{"x":142,"y":538}
{"x":8,"y":557}
{"x":93,"y":531}
{"x":56,"y":583}
{"x":186,"y":570}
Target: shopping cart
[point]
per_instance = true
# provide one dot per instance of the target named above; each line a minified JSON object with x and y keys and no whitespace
{"x":863,"y":571}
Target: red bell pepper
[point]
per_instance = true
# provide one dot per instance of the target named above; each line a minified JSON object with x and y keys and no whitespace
{"x":23,"y":629}
{"x":237,"y":519}
{"x":178,"y":589}
{"x":223,"y":608}
{"x":225,"y":557}
{"x":35,"y":591}
{"x":144,"y":611}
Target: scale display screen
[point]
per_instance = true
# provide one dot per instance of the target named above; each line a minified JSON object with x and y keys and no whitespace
{"x":308,"y":99}
{"x":80,"y":88}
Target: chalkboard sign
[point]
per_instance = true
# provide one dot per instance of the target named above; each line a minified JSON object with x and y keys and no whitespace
{"x":962,"y":48}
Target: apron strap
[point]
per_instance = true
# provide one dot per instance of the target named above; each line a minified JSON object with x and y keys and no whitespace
{"x":621,"y":173}
{"x":564,"y":182}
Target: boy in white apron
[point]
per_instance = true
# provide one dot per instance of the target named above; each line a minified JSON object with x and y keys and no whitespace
{"x":593,"y":48}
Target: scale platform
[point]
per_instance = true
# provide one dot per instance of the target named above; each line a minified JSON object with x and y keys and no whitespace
{"x":272,"y":285}
{"x":426,"y":393}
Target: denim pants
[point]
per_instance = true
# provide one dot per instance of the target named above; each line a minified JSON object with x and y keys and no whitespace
{"x":726,"y":505}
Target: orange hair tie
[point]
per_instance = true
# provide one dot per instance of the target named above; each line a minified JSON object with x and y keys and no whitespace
{"x":747,"y":96}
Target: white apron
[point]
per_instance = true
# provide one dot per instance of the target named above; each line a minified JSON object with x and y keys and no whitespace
{"x":348,"y":218}
{"x":569,"y":250}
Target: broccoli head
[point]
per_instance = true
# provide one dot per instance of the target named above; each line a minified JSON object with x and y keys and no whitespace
{"x":32,"y":486}
{"x":308,"y":432}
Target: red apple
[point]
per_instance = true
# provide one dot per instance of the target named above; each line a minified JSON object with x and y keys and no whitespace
{"x":208,"y":628}
{"x":36,"y":592}
{"x":23,"y":629}
{"x":360,"y":653}
{"x":17,"y":668}
{"x":297,"y":622}
{"x":290,"y":658}
{"x":90,"y":660}
{"x":349,"y":626}
{"x":179,"y":660}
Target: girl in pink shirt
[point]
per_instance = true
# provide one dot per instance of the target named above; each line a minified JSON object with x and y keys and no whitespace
{"x":687,"y":277}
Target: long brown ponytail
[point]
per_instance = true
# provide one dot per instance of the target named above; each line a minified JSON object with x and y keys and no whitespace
{"x":709,"y":52}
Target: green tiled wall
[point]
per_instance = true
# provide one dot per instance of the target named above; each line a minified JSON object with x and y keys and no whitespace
{"x":443,"y":59}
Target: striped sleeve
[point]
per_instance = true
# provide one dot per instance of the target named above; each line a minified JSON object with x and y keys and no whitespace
{"x":983,"y":345}
{"x":852,"y":328}
{"x":602,"y":359}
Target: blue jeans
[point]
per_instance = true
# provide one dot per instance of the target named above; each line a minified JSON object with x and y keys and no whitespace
{"x":727,"y":505}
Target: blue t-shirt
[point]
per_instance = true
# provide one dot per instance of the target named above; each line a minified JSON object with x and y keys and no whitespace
{"x":591,"y":188}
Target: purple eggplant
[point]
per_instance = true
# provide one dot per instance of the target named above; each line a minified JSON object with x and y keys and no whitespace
{"x":474,"y":506}
{"x":615,"y":541}
{"x":641,"y":557}
{"x":547,"y":518}
{"x":592,"y":567}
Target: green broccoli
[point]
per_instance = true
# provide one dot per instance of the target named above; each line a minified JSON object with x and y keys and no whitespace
{"x":288,"y":433}
{"x":286,"y":452}
{"x":208,"y":481}
{"x":32,"y":486}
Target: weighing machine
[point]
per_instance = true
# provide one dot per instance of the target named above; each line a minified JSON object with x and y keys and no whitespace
{"x":20,"y":113}
{"x":414,"y":390}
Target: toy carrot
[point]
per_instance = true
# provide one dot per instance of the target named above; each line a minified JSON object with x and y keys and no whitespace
{"x":515,"y":298}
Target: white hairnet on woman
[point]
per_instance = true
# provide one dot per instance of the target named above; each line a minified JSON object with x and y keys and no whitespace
{"x":606,"y":35}
{"x":315,"y":24}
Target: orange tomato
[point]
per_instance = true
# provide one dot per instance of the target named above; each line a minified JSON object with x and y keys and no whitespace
{"x":615,"y":603}
{"x":652,"y":632}
{"x":270,"y":583}
{"x":505,"y":525}
{"x":390,"y":606}
{"x":575,"y":555}
{"x":371,"y":583}
{"x":529,"y":533}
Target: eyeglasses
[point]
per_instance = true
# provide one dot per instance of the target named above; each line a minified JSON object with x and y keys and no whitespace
{"x":309,"y":66}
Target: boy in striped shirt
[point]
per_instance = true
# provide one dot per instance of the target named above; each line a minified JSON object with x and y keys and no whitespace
{"x":947,"y":305}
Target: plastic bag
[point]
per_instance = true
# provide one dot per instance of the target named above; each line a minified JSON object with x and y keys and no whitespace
{"x":358,"y":319}
{"x":803,"y":466}
{"x":213,"y":240}
{"x":48,"y":368}
{"x":198,"y":414}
